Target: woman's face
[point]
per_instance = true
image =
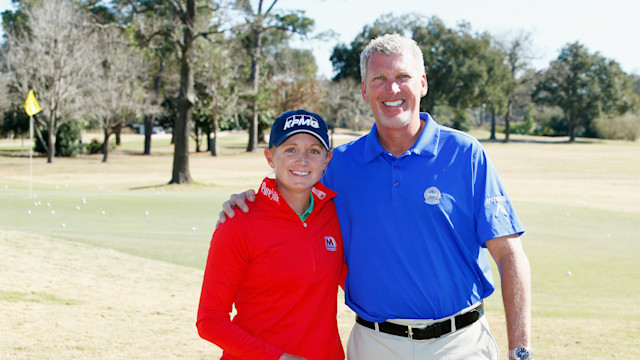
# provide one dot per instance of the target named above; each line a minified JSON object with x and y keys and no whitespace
{"x":299,"y":163}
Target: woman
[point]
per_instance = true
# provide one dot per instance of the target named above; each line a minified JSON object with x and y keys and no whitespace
{"x":281,"y":263}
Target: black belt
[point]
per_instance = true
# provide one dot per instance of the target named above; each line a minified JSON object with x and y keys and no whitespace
{"x":430,"y":332}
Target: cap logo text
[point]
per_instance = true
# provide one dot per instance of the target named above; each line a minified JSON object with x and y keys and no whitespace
{"x":301,"y":120}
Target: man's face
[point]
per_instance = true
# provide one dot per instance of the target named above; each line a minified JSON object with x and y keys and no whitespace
{"x":393,"y":88}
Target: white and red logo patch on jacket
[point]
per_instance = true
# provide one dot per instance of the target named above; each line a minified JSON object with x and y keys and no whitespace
{"x":330,"y":243}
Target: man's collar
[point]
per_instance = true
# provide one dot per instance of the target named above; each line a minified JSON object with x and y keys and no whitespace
{"x":426,"y":145}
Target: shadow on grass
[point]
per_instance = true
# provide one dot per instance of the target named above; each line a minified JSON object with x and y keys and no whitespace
{"x":21,"y":153}
{"x":550,"y":140}
{"x":168,"y":185}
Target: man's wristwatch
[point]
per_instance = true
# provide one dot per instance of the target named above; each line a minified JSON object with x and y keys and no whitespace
{"x":521,"y":353}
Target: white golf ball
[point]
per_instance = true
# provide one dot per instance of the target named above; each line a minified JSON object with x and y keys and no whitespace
{"x":103,"y":212}
{"x":53,"y":212}
{"x":77,"y":207}
{"x":193,"y":228}
{"x":64,"y":225}
{"x":146,"y":213}
{"x":569,"y":273}
{"x":29,"y":212}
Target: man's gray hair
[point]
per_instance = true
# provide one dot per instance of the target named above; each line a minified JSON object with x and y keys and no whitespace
{"x":391,"y":45}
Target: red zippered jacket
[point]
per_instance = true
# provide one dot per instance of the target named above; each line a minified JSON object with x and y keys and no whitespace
{"x":281,"y":274}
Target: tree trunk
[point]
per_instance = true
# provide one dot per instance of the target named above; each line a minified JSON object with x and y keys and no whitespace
{"x":571,"y":126}
{"x":196,"y":131}
{"x":207,"y":135}
{"x":105,"y":146}
{"x":117,"y":132}
{"x":507,"y":122}
{"x":43,"y":141}
{"x":51,"y":141}
{"x":213,"y":142}
{"x":181,"y":174}
{"x":255,"y":80}
{"x":150,"y":119}
{"x":493,"y":124}
{"x":148,"y":129}
{"x":572,"y":131}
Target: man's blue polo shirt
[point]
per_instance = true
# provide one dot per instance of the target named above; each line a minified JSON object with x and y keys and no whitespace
{"x":414,"y":227}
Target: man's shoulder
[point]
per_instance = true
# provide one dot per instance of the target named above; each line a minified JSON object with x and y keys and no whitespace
{"x":350,"y":148}
{"x":454,"y":137}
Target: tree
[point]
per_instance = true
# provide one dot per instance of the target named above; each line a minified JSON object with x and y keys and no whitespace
{"x":584,"y":86}
{"x":518,"y":57}
{"x":635,"y":81}
{"x":343,"y":106}
{"x":51,"y":54}
{"x":262,"y":19}
{"x":463,"y":69}
{"x":294,"y":77}
{"x":346,"y":59}
{"x":118,"y":95}
{"x":184,"y":24}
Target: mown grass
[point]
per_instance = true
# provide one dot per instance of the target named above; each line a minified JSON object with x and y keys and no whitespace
{"x":579,"y":203}
{"x":168,"y":226}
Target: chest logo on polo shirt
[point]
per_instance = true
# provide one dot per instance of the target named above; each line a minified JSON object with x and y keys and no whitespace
{"x":330,"y":243}
{"x":432,"y":196}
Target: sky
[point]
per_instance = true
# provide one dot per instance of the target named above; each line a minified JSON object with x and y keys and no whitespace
{"x":610,"y":27}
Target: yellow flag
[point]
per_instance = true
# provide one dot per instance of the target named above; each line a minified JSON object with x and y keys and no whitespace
{"x":31,"y":105}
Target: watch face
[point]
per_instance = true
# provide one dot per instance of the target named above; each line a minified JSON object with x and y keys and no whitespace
{"x":522,"y":353}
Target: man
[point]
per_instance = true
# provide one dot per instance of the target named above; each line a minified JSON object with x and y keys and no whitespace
{"x":419,"y":206}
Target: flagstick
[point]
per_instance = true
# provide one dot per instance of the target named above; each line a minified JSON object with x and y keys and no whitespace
{"x":31,"y":157}
{"x":32,"y":107}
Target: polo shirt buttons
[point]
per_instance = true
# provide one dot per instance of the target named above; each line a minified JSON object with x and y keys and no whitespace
{"x":304,"y":224}
{"x":396,"y":184}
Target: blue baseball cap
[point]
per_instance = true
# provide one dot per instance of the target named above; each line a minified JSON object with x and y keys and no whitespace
{"x":296,"y":121}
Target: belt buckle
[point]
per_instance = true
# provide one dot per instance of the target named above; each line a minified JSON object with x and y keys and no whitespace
{"x":410,"y":332}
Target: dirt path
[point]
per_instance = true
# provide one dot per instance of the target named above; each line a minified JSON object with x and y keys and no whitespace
{"x":64,"y":300}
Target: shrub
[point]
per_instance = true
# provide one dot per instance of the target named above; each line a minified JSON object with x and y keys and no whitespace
{"x":68,"y":138}
{"x":461,"y":122}
{"x":14,"y":123}
{"x":625,"y":127}
{"x":556,"y":125}
{"x":95,"y":146}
